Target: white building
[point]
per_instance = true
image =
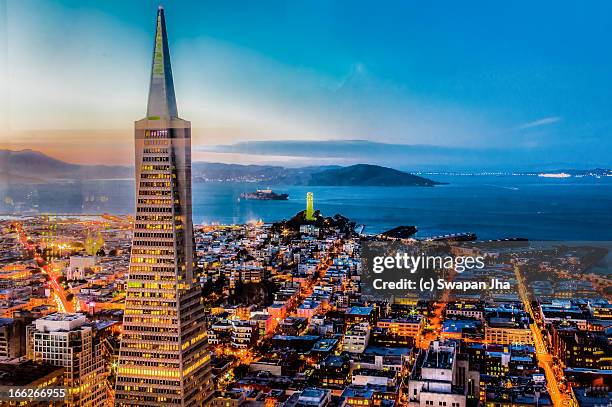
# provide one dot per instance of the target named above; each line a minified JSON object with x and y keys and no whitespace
{"x":441,"y":379}
{"x":314,"y":397}
{"x":365,"y":377}
{"x":78,"y":264}
{"x":243,"y":334}
{"x":467,"y":310}
{"x":356,"y":338}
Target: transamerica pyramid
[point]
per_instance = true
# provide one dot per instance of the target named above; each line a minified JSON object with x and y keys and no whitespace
{"x":163,"y":359}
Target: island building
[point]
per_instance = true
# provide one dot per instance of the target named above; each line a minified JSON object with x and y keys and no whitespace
{"x":163,"y":358}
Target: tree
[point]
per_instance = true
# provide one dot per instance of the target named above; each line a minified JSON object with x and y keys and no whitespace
{"x":241,"y":370}
{"x":220,"y":283}
{"x":93,"y":245}
{"x":238,"y":293}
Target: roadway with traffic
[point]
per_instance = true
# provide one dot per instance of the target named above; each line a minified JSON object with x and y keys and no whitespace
{"x":545,"y":359}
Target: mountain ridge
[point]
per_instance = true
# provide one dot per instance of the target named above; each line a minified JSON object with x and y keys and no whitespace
{"x":30,"y":166}
{"x":368,"y":175}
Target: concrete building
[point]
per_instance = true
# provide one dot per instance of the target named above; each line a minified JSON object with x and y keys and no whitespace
{"x":308,"y":309}
{"x":229,"y":398}
{"x":506,"y":335}
{"x":441,"y":378}
{"x":402,"y":326}
{"x":243,"y":334}
{"x":25,"y":373}
{"x":365,"y":377}
{"x":77,"y":266}
{"x":393,"y":359}
{"x":505,"y":326}
{"x":465,"y":310}
{"x":358,"y":396}
{"x":356,"y":338}
{"x":12,"y":338}
{"x":360,"y":314}
{"x":67,"y":340}
{"x":310,"y":397}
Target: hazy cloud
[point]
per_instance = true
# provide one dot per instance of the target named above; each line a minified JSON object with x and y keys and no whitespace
{"x":406,"y":156}
{"x":538,"y":123}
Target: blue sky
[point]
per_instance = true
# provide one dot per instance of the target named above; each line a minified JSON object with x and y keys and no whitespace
{"x":531,"y":79}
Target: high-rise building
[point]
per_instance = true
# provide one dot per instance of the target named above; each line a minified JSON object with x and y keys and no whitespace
{"x":68,"y":341}
{"x":12,"y":338}
{"x":163,"y":359}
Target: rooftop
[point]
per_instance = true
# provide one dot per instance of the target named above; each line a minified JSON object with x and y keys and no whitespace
{"x":360,"y":392}
{"x":592,"y":397}
{"x":325,"y":345}
{"x":364,"y":311}
{"x":25,"y":373}
{"x":62,"y":317}
{"x":440,"y":359}
{"x":6,"y":321}
{"x":373,"y":372}
{"x":453,"y":326}
{"x":379,"y":351}
{"x":312,"y":393}
{"x":60,"y":322}
{"x":334,"y":361}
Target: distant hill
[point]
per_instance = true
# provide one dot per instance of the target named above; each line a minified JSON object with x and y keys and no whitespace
{"x":354,"y":175}
{"x":367,"y":175}
{"x":207,"y":172}
{"x":28,"y":166}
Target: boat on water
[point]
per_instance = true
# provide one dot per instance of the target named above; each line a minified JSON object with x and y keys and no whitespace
{"x":453,"y":237}
{"x":264,"y":195}
{"x":400,"y":232}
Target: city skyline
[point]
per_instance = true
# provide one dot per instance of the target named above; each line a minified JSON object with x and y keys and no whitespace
{"x":481,"y":276}
{"x":459,"y":78}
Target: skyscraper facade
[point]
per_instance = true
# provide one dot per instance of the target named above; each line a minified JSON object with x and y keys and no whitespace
{"x":163,"y":358}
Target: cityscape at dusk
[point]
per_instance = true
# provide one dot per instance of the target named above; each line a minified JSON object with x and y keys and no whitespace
{"x":305,"y":204}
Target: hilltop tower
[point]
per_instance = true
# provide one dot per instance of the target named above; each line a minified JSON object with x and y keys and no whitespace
{"x":310,"y":206}
{"x":163,"y":359}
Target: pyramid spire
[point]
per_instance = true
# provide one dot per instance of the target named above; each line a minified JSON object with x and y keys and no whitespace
{"x":162,"y":102}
